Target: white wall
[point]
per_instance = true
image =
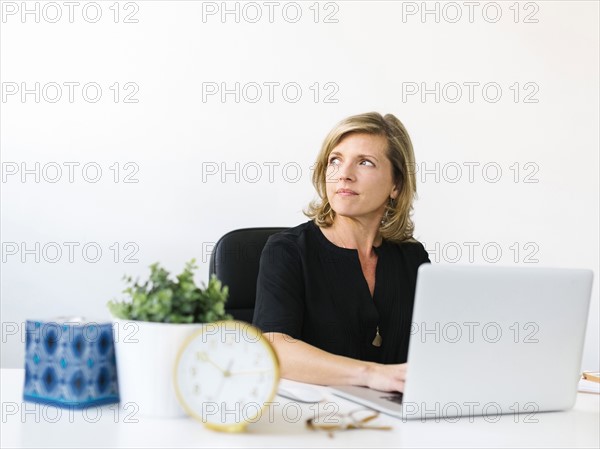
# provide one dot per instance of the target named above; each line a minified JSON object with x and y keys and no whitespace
{"x":375,"y":52}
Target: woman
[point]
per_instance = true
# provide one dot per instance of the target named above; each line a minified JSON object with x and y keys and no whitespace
{"x":335,"y":294}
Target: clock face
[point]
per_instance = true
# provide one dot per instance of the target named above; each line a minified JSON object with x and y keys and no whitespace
{"x":225,"y":373}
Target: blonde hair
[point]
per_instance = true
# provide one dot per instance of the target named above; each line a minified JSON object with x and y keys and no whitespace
{"x":396,"y":224}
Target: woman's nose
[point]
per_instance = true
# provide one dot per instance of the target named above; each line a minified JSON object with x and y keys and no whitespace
{"x":344,"y":172}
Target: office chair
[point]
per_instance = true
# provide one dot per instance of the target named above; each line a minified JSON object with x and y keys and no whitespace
{"x":235,"y":261}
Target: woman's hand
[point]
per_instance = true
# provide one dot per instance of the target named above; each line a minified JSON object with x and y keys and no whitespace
{"x":386,"y":377}
{"x":302,"y":362}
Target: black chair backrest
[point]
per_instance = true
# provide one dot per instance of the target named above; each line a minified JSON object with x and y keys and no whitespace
{"x":235,"y":261}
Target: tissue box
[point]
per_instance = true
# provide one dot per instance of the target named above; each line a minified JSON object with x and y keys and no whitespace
{"x":70,"y":363}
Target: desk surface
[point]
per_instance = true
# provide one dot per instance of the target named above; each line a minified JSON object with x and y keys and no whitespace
{"x":35,"y":425}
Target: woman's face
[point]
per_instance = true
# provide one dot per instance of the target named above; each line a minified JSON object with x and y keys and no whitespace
{"x":359,"y":177}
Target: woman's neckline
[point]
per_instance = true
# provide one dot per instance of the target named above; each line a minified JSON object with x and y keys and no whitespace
{"x":333,"y":247}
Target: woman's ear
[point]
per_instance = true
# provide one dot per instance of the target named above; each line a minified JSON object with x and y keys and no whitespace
{"x":394,"y":193}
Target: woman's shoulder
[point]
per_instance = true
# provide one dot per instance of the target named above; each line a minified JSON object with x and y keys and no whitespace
{"x":290,"y":240}
{"x":292,"y":235}
{"x":412,"y":249}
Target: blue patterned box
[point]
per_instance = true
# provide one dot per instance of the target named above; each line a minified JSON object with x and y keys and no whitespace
{"x":70,"y":363}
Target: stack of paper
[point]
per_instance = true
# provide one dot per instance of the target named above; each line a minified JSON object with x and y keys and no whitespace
{"x":587,"y":386}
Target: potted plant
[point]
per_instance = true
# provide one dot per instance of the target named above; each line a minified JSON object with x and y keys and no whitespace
{"x":149,"y":328}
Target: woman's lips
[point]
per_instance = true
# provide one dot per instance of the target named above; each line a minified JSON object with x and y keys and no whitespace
{"x":346,"y":192}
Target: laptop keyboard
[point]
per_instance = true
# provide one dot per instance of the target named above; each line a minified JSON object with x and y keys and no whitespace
{"x":395,"y":397}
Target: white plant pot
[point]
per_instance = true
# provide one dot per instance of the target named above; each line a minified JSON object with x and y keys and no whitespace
{"x":146,"y":354}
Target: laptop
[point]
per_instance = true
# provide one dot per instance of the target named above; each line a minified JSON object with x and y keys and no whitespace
{"x":487,"y":341}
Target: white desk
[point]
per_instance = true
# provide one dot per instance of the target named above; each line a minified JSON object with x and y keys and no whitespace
{"x":35,"y":425}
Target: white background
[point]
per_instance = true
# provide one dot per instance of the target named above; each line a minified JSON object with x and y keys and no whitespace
{"x":373,"y":54}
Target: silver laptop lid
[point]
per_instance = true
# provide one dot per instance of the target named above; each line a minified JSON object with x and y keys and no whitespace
{"x":489,"y":340}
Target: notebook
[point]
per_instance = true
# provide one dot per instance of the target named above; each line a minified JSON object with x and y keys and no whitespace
{"x":481,"y":336}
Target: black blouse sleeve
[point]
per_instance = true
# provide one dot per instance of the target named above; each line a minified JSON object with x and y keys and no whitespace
{"x":280,"y":288}
{"x":424,"y":255}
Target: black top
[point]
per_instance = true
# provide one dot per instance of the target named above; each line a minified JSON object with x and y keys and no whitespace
{"x":316,"y":292}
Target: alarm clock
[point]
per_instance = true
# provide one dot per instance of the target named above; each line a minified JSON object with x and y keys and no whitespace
{"x":225,"y":373}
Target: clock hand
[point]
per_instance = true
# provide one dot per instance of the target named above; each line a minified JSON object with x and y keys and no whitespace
{"x":225,"y":374}
{"x":235,"y":373}
{"x":204,"y":358}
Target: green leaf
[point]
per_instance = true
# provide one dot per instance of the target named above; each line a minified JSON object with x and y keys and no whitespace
{"x":162,"y":299}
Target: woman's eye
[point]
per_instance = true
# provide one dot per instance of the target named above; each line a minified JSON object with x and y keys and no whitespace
{"x":367,"y":162}
{"x":334,"y":161}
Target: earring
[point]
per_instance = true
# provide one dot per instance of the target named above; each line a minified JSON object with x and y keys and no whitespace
{"x":386,"y":215}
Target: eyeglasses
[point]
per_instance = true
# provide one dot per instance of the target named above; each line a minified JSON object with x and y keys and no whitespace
{"x":356,"y":419}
